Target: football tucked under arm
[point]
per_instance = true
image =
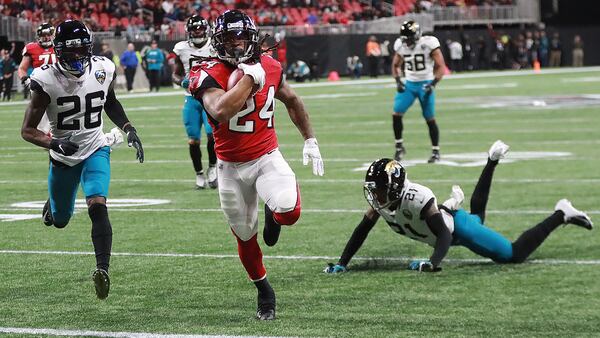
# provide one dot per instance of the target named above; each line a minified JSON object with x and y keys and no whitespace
{"x":235,"y":77}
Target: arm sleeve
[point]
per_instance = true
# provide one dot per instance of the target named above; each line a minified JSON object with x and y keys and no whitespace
{"x":436,"y":224}
{"x":113,"y":108}
{"x":356,"y":240}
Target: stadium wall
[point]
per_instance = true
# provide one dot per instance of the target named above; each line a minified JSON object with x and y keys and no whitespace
{"x":334,"y":49}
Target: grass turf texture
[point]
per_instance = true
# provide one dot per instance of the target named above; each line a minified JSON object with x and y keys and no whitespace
{"x":378,"y":297}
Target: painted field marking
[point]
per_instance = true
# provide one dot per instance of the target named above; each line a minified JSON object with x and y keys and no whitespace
{"x":292,"y":257}
{"x":342,"y":181}
{"x":90,"y":333}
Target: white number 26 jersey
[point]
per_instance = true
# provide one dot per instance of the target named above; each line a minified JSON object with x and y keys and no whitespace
{"x":76,"y":104}
{"x":418,"y":63}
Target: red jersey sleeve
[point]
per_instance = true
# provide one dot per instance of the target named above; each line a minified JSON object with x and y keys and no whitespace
{"x":209,"y":74}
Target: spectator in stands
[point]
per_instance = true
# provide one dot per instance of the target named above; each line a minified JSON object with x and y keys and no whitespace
{"x":555,"y":50}
{"x":8,"y":69}
{"x":106,"y":52}
{"x":373,"y":53}
{"x":456,"y":55}
{"x":577,"y":51}
{"x":129,"y":62}
{"x":155,"y":59}
{"x":299,"y":71}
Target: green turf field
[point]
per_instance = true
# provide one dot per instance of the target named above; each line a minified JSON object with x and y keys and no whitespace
{"x":551,"y":126}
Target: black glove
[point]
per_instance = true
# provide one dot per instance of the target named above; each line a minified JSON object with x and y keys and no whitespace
{"x":64,"y":147}
{"x":399,"y":85}
{"x":25,"y":81}
{"x":428,"y":88}
{"x":134,"y":141}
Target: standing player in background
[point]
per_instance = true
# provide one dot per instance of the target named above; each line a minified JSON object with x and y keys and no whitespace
{"x":411,"y":210}
{"x":37,"y":54}
{"x":421,"y":60}
{"x":250,"y":164}
{"x":194,"y":115}
{"x":73,"y":92}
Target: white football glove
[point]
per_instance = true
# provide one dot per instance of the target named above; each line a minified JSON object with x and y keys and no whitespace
{"x":311,"y":153}
{"x":114,"y":138}
{"x":457,"y":196}
{"x":255,"y":71}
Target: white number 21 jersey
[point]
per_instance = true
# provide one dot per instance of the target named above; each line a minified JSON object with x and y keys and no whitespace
{"x":418,"y":63}
{"x":76,"y":104}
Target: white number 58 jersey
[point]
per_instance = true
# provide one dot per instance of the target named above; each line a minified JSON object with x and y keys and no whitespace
{"x":418,"y":63}
{"x":76,"y":104}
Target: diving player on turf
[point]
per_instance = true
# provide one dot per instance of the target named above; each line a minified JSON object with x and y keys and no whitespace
{"x":73,"y":92}
{"x":37,"y":54}
{"x":249,"y":162}
{"x":411,"y":210}
{"x":420,"y":59}
{"x":194,"y":116}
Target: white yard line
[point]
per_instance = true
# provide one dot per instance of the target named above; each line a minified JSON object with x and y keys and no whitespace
{"x":342,"y":181}
{"x":89,"y":333}
{"x":290,"y":257}
{"x":304,"y":210}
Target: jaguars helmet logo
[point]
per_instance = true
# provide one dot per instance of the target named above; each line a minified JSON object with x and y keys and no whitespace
{"x":393,"y":168}
{"x":100,"y":76}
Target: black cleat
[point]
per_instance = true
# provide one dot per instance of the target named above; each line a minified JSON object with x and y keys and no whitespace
{"x":266,"y":300}
{"x":266,"y":312}
{"x":272,"y":229}
{"x":101,"y":282}
{"x":47,"y":214}
{"x":400,"y":152}
{"x":435,"y":156}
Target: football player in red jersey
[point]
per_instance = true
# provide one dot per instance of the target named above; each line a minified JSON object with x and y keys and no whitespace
{"x":37,"y":54}
{"x":249,"y":162}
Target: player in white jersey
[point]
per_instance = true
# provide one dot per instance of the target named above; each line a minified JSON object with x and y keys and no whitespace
{"x":194,"y":116}
{"x":73,"y":92}
{"x":411,"y":209}
{"x":420,"y":59}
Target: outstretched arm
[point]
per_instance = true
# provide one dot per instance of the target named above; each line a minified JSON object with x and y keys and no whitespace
{"x":435,"y":222}
{"x":355,"y":242}
{"x":296,"y":110}
{"x":299,"y":117}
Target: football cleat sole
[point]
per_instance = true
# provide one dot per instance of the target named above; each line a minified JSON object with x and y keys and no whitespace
{"x":101,"y":283}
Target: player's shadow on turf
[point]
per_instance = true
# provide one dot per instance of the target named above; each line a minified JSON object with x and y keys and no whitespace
{"x":394,"y":265}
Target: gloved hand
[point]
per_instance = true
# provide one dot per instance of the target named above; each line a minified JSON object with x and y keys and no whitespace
{"x":423,"y":266}
{"x":25,"y":81}
{"x":428,"y":88}
{"x":399,"y":85}
{"x":457,"y":196}
{"x":331,"y":268}
{"x":256,"y":72}
{"x":185,"y":82}
{"x":64,"y":147}
{"x":311,"y":153}
{"x":134,"y":141}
